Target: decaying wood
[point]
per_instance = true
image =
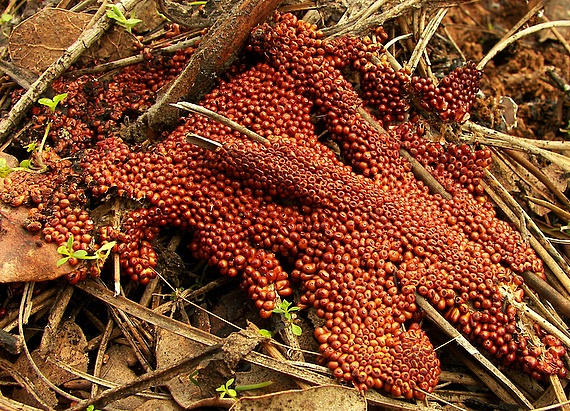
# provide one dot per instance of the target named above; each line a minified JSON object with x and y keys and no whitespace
{"x":502,"y":384}
{"x":70,"y":56}
{"x":215,"y":54}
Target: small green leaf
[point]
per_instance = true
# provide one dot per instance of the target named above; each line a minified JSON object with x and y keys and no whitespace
{"x":6,"y":17}
{"x":278,"y":311}
{"x":62,"y":261}
{"x":80,"y":254}
{"x":250,"y":387}
{"x":25,"y":163}
{"x":4,"y":169}
{"x":296,"y":330}
{"x":52,"y":104}
{"x":265,"y":333}
{"x":33,"y":146}
{"x":70,"y":243}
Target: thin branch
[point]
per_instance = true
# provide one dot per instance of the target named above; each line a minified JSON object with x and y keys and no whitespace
{"x":195,"y":108}
{"x":442,"y":323}
{"x":426,"y":36}
{"x":487,"y":136}
{"x":505,"y":42}
{"x":70,"y":56}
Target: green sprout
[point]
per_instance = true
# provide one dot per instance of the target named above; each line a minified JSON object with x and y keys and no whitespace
{"x":67,"y":251}
{"x":52,"y":103}
{"x":284,"y":307}
{"x":4,"y":169}
{"x":91,"y":408}
{"x":5,"y":18}
{"x":225,"y":389}
{"x":117,"y":15}
{"x":32,"y":147}
{"x":265,"y":333}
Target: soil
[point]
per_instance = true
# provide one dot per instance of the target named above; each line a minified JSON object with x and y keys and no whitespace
{"x":520,"y":76}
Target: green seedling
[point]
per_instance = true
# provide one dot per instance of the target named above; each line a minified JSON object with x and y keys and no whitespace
{"x":225,"y":389}
{"x":52,"y":103}
{"x":4,"y":169}
{"x":37,"y":153}
{"x":91,"y":408}
{"x":265,"y":333}
{"x":114,"y":13}
{"x":5,"y":18}
{"x":32,"y":147}
{"x":286,"y":308}
{"x":68,"y":252}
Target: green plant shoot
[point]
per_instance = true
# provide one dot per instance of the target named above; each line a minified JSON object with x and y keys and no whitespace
{"x":6,"y":17}
{"x":285,"y":308}
{"x":4,"y":169}
{"x":67,"y":251}
{"x":225,"y":389}
{"x":52,"y":103}
{"x":117,"y":15}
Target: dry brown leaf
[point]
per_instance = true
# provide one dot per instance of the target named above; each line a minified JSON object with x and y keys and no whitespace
{"x":116,"y":369}
{"x":324,"y":398}
{"x":170,"y":348}
{"x":68,"y":348}
{"x":147,"y":12}
{"x":24,"y":256}
{"x":162,"y":405}
{"x":34,"y":46}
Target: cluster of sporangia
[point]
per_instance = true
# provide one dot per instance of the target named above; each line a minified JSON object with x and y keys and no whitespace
{"x":360,"y":235}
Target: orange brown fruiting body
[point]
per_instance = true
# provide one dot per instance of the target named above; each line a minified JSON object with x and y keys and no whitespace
{"x":361,"y":235}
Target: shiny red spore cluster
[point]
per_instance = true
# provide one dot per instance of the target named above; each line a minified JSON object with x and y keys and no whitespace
{"x":357,"y":231}
{"x":361,"y":236}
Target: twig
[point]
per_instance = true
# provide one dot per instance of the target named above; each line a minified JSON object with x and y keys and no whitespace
{"x":501,"y":45}
{"x":100,"y":355}
{"x":139,"y":58}
{"x":195,"y":108}
{"x":442,"y":323}
{"x":38,"y":303}
{"x":560,"y":212}
{"x":357,"y":26}
{"x":24,"y":382}
{"x":538,"y":241}
{"x":73,"y":52}
{"x":495,"y":138}
{"x":101,"y":382}
{"x":523,"y":161}
{"x":425,"y":38}
{"x":57,"y":312}
{"x":219,"y":48}
{"x":547,"y":292}
{"x":26,"y":298}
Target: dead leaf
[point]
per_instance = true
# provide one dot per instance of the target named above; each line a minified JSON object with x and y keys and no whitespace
{"x":170,"y":348}
{"x":25,"y":256}
{"x":162,"y":405}
{"x":146,"y":11}
{"x":324,"y":398}
{"x":117,"y":370}
{"x":68,"y":348}
{"x":34,"y":46}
